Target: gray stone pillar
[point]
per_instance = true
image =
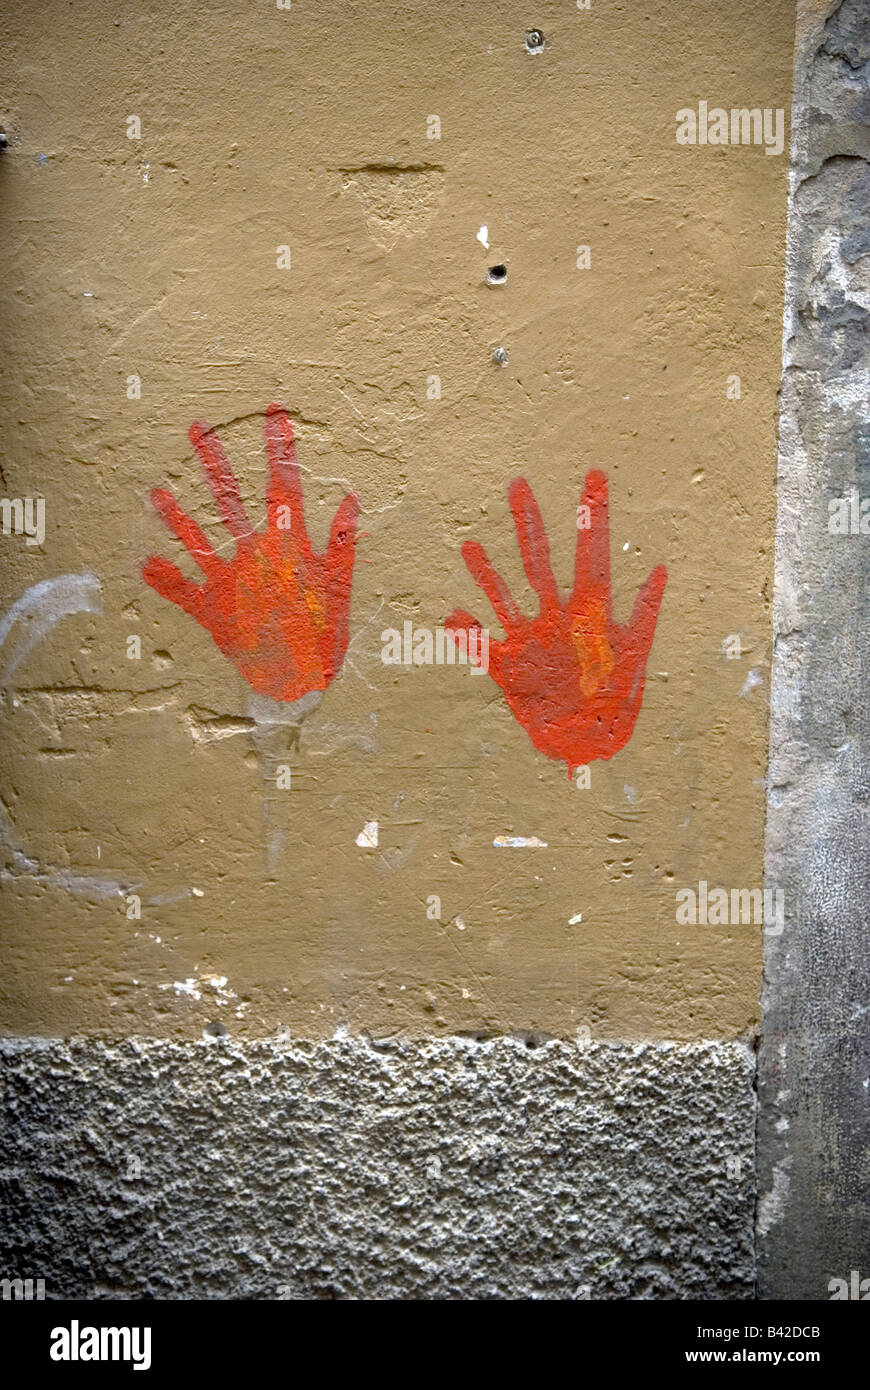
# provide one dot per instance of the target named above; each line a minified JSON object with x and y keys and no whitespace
{"x":814,"y":1066}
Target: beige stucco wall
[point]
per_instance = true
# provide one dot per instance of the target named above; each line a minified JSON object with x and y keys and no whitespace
{"x":307,"y":128}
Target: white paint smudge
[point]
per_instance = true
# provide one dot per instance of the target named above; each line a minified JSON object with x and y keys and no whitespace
{"x":752,"y":680}
{"x":33,"y":615}
{"x":82,"y":885}
{"x":518,"y":842}
{"x":578,"y":917}
{"x":275,"y":728}
{"x":25,"y":624}
{"x":771,"y":1206}
{"x":483,"y":236}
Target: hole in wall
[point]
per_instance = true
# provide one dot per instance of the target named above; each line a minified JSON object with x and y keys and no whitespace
{"x":496,"y":275}
{"x":534,"y":41}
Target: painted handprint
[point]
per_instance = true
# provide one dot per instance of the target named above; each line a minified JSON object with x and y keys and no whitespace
{"x":277,"y":608}
{"x":572,"y":677}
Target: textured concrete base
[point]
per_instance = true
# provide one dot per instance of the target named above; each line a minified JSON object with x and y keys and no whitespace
{"x":348,"y":1169}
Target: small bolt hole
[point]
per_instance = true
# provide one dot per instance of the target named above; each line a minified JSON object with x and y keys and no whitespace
{"x":496,"y":275}
{"x":534,"y":41}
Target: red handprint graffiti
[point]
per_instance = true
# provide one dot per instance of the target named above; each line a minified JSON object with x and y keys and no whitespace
{"x":573,"y":677}
{"x":278,"y":609}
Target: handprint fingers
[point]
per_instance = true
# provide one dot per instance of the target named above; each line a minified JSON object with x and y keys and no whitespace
{"x":220,"y":478}
{"x":534,"y":546}
{"x":192,"y":537}
{"x":592,"y":556}
{"x":492,"y":584}
{"x":481,"y":651}
{"x":645,"y":613}
{"x":170,"y":583}
{"x":284,"y":486}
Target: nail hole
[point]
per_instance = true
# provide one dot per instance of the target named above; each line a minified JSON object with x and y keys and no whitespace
{"x":534,"y":41}
{"x":496,"y":275}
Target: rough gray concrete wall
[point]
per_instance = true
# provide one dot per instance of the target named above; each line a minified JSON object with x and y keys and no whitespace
{"x":814,"y":1077}
{"x":347,"y":1169}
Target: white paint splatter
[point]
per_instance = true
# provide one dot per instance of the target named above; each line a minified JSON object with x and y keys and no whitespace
{"x":483,"y":236}
{"x":368,"y":836}
{"x":275,"y":728}
{"x":195,"y":985}
{"x":518,"y":842}
{"x":187,"y":986}
{"x":578,"y":917}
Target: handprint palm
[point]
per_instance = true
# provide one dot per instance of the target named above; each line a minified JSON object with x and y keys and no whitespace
{"x":573,"y":677}
{"x":278,"y":609}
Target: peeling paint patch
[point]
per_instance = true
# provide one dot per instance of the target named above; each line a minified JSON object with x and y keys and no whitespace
{"x":397,"y":200}
{"x":206,"y":726}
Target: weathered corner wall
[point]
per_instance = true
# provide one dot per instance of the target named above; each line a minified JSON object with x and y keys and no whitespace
{"x":814,"y":1124}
